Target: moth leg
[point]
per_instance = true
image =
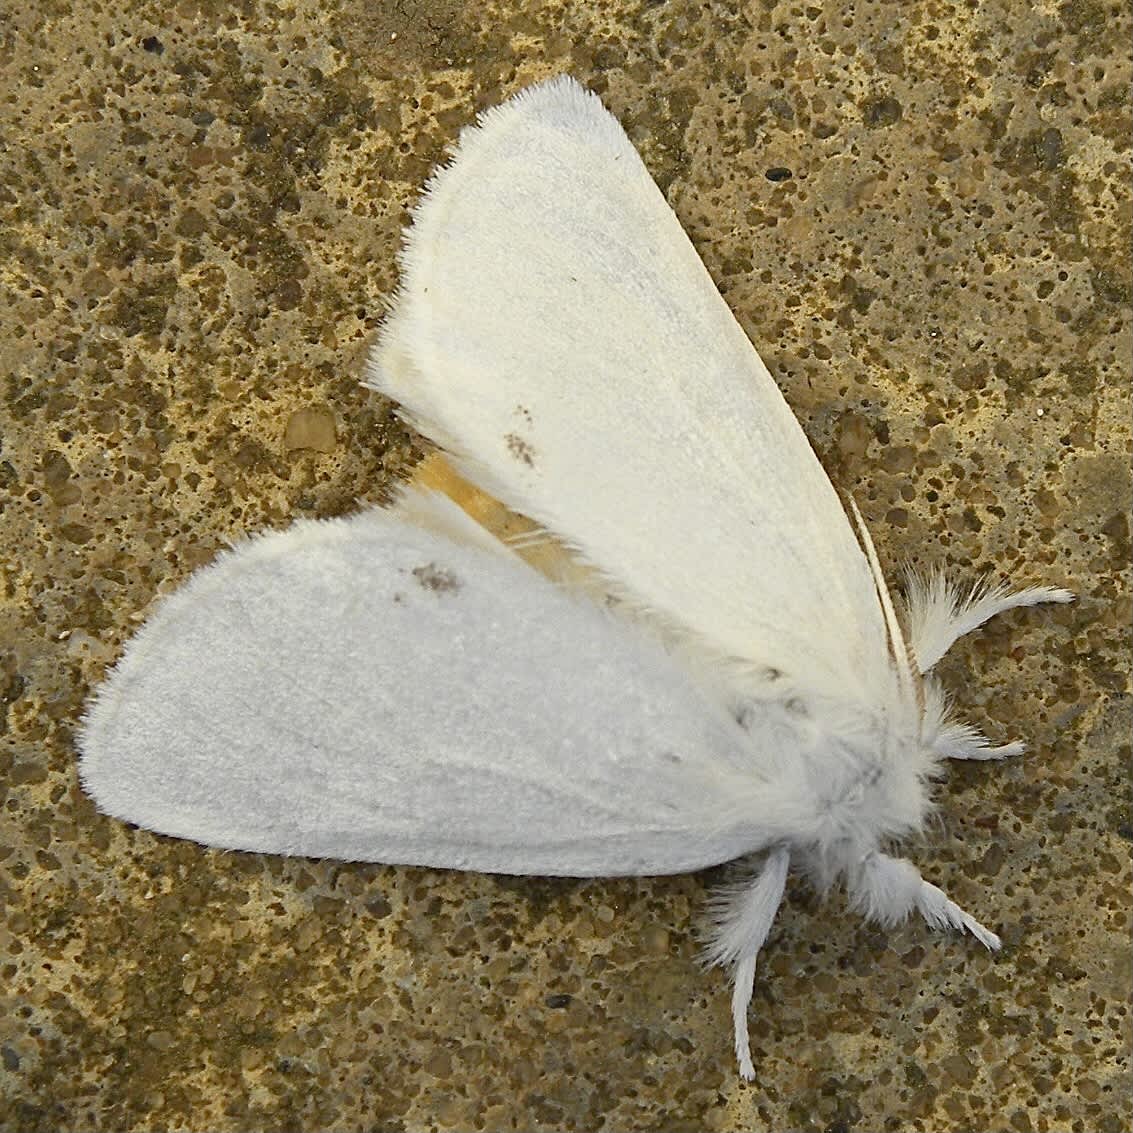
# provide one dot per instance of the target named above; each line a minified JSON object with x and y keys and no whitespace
{"x":953,"y":739}
{"x":888,"y":889}
{"x":962,"y":741}
{"x":939,"y":912}
{"x":982,"y":605}
{"x":940,"y":614}
{"x":741,"y":917}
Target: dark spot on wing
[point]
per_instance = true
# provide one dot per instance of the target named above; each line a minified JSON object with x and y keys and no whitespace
{"x":520,"y":449}
{"x":436,"y":578}
{"x":744,"y":713}
{"x":524,"y":412}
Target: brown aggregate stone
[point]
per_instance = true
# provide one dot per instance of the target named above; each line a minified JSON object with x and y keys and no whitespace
{"x":200,"y":205}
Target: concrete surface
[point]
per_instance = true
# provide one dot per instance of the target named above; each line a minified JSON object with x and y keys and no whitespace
{"x":201,"y":205}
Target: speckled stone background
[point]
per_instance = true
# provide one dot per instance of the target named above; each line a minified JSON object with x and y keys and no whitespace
{"x":921,"y":214}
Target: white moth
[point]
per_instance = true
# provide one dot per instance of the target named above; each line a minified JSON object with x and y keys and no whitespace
{"x":400,"y":687}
